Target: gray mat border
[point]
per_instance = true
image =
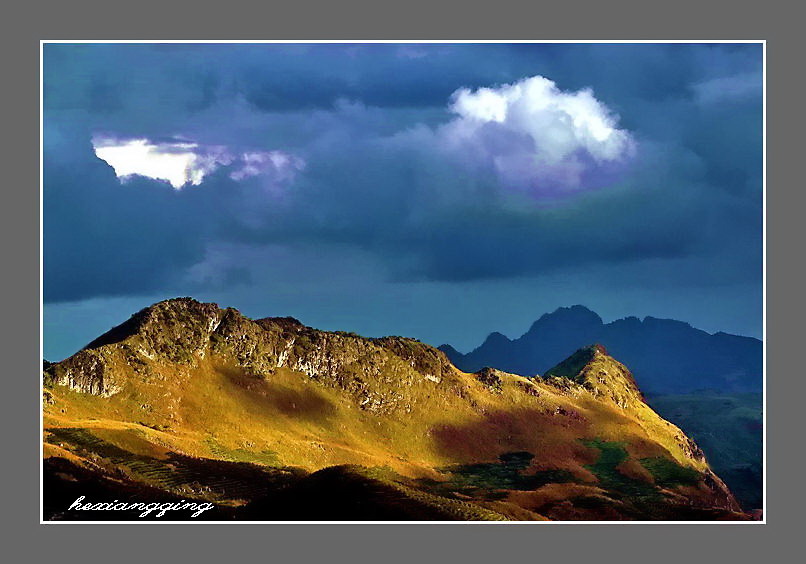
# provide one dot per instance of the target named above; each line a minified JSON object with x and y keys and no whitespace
{"x":149,"y":19}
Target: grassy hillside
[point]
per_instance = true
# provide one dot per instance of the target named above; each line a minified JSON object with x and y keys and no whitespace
{"x":192,"y":400}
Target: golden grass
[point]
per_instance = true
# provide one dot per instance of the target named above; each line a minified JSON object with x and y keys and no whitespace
{"x":312,"y":425}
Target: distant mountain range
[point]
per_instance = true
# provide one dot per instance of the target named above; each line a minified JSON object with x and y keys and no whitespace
{"x":666,"y":356}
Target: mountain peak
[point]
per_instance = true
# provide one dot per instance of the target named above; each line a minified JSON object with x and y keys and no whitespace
{"x":167,"y":311}
{"x":176,"y":319}
{"x":449,"y":351}
{"x":573,"y":366}
{"x":286,"y":323}
{"x":599,"y":373}
{"x":573,"y":316}
{"x":496,"y":338}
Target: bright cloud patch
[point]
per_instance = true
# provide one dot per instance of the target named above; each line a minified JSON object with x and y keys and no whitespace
{"x":275,"y":164}
{"x":538,"y":137}
{"x":178,"y":163}
{"x":183,"y":163}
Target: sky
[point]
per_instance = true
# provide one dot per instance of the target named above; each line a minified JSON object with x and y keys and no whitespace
{"x":437,"y":191}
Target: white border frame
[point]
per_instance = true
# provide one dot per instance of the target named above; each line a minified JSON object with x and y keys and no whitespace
{"x":762,"y":42}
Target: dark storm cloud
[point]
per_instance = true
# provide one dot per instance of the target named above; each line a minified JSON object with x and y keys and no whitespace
{"x":369,"y":122}
{"x":106,"y":238}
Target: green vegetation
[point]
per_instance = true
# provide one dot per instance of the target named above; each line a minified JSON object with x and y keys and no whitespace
{"x":610,"y":478}
{"x":491,"y":480}
{"x":264,"y":457}
{"x":669,"y":473}
{"x":643,"y":498}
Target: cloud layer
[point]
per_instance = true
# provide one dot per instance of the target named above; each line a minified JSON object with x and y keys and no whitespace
{"x":408,"y":165}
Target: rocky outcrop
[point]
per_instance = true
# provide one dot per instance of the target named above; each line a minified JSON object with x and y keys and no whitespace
{"x":491,"y":378}
{"x":719,"y":494}
{"x":428,"y":361}
{"x":88,"y":371}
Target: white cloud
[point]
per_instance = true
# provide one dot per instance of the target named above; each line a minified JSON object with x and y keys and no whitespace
{"x":277,"y":165}
{"x":537,"y":136}
{"x":178,"y":163}
{"x":181,"y":163}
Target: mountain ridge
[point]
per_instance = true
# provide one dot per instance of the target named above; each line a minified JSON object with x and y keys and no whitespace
{"x":709,"y":360}
{"x":202,"y":386}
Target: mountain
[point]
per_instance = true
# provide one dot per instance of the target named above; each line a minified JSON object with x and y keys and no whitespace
{"x":708,"y":384}
{"x":667,"y":356}
{"x":268,"y":419}
{"x":730,"y":430}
